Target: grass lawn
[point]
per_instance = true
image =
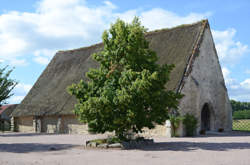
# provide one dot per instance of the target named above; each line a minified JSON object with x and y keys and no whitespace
{"x":241,"y":125}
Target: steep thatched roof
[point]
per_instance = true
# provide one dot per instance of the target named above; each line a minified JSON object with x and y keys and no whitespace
{"x":49,"y":96}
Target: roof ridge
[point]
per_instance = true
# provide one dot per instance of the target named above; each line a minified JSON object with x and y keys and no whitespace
{"x":195,"y":51}
{"x":176,"y":27}
{"x":147,"y":34}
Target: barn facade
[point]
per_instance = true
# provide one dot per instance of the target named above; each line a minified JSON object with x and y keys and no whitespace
{"x":197,"y":74}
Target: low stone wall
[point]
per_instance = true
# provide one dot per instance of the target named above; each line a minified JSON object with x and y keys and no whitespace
{"x":49,"y":124}
{"x":68,"y":124}
{"x":24,"y":124}
{"x":71,"y":125}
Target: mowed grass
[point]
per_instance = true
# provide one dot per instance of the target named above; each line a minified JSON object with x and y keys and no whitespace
{"x":241,"y":125}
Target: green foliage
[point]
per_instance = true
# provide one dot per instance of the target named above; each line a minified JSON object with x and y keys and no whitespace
{"x":6,"y":85}
{"x":190,"y":123}
{"x":175,"y":123}
{"x":244,"y":114}
{"x":112,"y":140}
{"x":99,"y":141}
{"x":126,"y":93}
{"x":239,"y":106}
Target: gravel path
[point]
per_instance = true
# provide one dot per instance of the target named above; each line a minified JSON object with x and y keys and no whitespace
{"x":220,"y":149}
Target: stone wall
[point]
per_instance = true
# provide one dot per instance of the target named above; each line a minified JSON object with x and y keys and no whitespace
{"x":67,"y":124}
{"x":63,"y":124}
{"x":205,"y":84}
{"x":24,"y":124}
{"x":71,"y":125}
{"x":51,"y":124}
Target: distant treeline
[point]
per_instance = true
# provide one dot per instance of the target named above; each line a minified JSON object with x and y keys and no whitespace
{"x":241,"y":110}
{"x":240,"y":106}
{"x":241,"y":114}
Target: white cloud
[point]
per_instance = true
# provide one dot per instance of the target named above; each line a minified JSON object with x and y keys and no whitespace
{"x":68,"y":24}
{"x":237,"y":90}
{"x":19,"y":92}
{"x":41,"y":60}
{"x":245,"y":83}
{"x":55,"y":25}
{"x":159,"y":18}
{"x":247,"y":71}
{"x":15,"y":99}
{"x":226,"y":74}
{"x":43,"y":56}
{"x":109,"y":4}
{"x":229,"y":50}
{"x":22,"y":88}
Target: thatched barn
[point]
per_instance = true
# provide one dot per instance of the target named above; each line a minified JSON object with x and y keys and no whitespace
{"x":197,"y":74}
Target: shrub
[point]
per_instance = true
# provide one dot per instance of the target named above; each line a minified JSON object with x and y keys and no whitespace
{"x":175,"y":123}
{"x":190,"y":123}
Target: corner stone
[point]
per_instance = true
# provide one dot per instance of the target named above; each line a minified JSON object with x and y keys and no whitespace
{"x":115,"y":145}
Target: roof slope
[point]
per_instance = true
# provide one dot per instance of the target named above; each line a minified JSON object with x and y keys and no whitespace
{"x":49,"y":96}
{"x":6,"y":110}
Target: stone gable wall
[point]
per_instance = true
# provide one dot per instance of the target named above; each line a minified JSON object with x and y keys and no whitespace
{"x":205,"y":84}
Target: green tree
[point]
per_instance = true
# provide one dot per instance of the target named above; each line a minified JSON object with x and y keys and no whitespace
{"x":6,"y":85}
{"x":239,"y":106}
{"x":126,"y":93}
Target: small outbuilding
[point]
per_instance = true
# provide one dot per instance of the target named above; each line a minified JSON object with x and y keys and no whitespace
{"x":5,"y":116}
{"x":197,"y":74}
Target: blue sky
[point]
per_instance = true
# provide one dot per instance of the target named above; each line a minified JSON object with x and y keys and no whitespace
{"x":31,"y":31}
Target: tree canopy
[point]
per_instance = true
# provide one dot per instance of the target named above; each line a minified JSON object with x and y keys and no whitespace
{"x":6,"y":85}
{"x":127,"y":91}
{"x":239,"y":106}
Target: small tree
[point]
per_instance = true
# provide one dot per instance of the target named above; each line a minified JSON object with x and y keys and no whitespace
{"x":6,"y":85}
{"x":126,"y":93}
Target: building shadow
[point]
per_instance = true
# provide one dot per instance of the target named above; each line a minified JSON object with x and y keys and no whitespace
{"x":224,"y":134}
{"x":23,"y":134}
{"x":190,"y":146}
{"x":33,"y":147}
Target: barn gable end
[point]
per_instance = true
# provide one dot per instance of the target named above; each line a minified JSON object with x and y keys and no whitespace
{"x":204,"y":89}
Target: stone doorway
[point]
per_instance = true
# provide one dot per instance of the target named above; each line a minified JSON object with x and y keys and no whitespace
{"x":205,"y":118}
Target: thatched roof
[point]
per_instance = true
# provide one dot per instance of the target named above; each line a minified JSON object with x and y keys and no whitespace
{"x":6,"y":110}
{"x":49,"y":96}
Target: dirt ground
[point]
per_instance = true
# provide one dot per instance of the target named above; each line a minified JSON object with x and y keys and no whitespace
{"x":220,"y":149}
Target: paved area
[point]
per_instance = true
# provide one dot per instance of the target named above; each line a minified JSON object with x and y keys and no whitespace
{"x":37,"y":149}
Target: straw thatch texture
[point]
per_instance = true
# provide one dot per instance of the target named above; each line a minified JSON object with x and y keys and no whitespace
{"x":49,"y":96}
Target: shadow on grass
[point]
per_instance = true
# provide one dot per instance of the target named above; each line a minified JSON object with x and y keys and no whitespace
{"x":190,"y":146}
{"x":33,"y":147}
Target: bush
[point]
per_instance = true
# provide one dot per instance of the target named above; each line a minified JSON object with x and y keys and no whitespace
{"x":175,"y":123}
{"x":190,"y":123}
{"x":244,"y":114}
